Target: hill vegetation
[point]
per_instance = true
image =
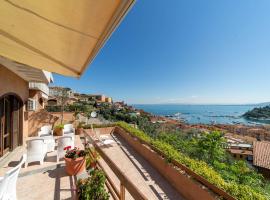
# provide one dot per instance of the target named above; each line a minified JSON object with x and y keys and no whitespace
{"x":258,"y":113}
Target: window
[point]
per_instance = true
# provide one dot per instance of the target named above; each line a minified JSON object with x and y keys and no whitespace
{"x":31,"y":105}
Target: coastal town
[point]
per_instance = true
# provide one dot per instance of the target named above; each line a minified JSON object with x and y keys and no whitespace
{"x":72,"y":121}
{"x":244,"y":142}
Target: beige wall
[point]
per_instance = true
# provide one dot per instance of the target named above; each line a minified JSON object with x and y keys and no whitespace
{"x":36,"y":95}
{"x":38,"y":119}
{"x":12,"y":83}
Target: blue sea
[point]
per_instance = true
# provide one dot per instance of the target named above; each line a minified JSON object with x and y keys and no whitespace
{"x":204,"y":114}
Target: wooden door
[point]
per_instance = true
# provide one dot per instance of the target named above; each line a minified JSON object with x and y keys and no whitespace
{"x":1,"y":125}
{"x":7,"y":125}
{"x":15,"y":123}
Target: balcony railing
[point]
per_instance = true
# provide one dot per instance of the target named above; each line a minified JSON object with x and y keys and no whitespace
{"x":125,"y":182}
{"x":39,"y":86}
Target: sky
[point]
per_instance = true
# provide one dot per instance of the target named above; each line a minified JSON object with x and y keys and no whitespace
{"x":184,"y":51}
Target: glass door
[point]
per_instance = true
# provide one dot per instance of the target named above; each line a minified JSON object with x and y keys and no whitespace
{"x":1,"y":125}
{"x":7,"y":125}
{"x":15,"y":123}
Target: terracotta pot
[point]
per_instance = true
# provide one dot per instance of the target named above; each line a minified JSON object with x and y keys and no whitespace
{"x":74,"y":167}
{"x":58,"y":132}
{"x":79,"y":131}
{"x":93,"y":165}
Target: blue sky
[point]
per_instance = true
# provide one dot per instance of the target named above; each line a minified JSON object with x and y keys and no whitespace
{"x":185,"y":51}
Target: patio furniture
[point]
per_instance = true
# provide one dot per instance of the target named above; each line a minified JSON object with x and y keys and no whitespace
{"x":45,"y":131}
{"x":63,"y":142}
{"x":104,"y":139}
{"x":8,"y":182}
{"x":68,"y":128}
{"x":36,"y":150}
{"x":50,"y":142}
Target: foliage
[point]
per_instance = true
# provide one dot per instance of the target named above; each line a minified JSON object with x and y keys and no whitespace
{"x":258,"y":113}
{"x":59,"y":126}
{"x":89,"y":126}
{"x":92,"y":156}
{"x":74,"y":153}
{"x":93,"y":188}
{"x":236,"y":177}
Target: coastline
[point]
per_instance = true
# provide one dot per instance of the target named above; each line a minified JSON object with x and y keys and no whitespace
{"x":249,"y":132}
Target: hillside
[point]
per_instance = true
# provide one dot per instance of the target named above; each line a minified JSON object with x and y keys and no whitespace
{"x":258,"y":113}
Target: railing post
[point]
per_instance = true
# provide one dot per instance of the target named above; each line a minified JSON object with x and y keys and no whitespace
{"x":122,"y":191}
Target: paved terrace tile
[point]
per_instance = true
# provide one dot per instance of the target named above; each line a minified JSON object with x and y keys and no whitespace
{"x":42,"y":182}
{"x":147,"y":179}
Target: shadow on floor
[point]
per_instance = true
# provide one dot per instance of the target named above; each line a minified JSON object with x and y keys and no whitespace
{"x":57,"y":174}
{"x":148,"y":172}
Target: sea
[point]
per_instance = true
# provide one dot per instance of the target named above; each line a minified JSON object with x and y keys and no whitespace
{"x":203,"y":114}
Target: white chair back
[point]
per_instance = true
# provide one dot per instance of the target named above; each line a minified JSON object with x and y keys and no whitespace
{"x":63,"y":142}
{"x":8,"y":184}
{"x":45,"y":131}
{"x":34,"y":146}
{"x":46,"y":128}
{"x":68,"y":128}
{"x":36,"y":150}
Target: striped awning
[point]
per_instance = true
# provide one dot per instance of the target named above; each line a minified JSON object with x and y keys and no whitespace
{"x":61,"y":36}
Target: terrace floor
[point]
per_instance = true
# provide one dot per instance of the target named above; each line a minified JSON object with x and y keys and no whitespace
{"x":147,"y":179}
{"x":43,"y":182}
{"x":50,"y":181}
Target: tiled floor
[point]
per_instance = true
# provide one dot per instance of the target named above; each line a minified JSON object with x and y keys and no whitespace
{"x":147,"y":179}
{"x":50,"y":181}
{"x":43,"y":182}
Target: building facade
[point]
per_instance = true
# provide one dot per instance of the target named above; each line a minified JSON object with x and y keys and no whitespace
{"x":21,"y":89}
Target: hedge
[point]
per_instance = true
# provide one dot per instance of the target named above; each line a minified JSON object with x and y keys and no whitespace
{"x":241,"y":192}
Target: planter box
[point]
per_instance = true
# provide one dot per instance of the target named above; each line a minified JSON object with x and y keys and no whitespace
{"x":184,"y":185}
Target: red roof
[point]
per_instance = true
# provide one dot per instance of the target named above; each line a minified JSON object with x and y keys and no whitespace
{"x":261,"y":154}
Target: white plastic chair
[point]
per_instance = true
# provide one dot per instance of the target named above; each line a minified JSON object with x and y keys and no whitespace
{"x":63,"y":142}
{"x":36,"y":150}
{"x":8,"y":182}
{"x":50,"y":142}
{"x":68,"y":128}
{"x":45,"y":131}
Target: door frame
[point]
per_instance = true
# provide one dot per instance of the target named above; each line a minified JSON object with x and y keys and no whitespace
{"x":20,"y":120}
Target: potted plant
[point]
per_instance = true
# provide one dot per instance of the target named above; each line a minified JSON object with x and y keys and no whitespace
{"x":93,"y":187}
{"x":92,"y":157}
{"x":75,"y":160}
{"x":58,"y":130}
{"x":79,"y":129}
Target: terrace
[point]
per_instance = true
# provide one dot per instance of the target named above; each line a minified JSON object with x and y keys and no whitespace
{"x":133,"y":171}
{"x":50,"y":181}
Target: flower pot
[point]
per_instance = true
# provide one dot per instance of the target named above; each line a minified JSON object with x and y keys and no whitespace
{"x":58,"y":132}
{"x":93,"y":165}
{"x":74,"y":167}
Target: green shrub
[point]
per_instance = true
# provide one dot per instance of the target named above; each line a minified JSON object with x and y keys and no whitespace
{"x":88,"y":126}
{"x":239,"y":191}
{"x":93,"y":188}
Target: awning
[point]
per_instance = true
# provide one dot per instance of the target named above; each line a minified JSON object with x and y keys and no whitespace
{"x":61,"y":36}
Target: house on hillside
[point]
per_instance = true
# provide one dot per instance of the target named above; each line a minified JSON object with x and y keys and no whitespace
{"x":261,"y":157}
